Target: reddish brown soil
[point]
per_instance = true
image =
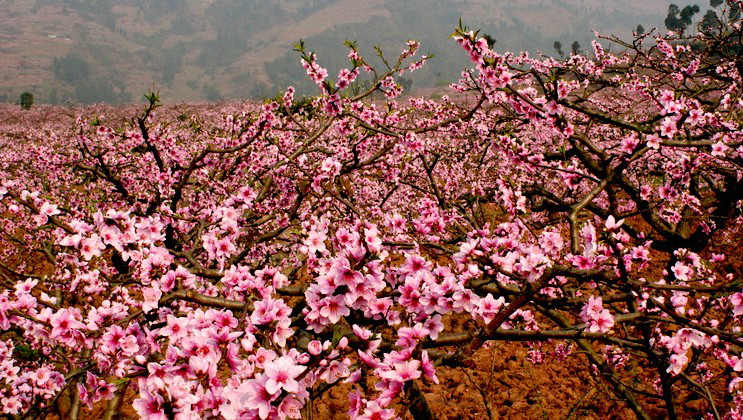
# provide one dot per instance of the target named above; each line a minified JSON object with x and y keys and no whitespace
{"x":514,"y":388}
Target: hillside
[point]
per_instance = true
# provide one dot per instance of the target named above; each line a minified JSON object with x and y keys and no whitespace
{"x":113,"y":50}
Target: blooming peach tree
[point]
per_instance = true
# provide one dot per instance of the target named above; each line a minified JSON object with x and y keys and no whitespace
{"x":239,"y":261}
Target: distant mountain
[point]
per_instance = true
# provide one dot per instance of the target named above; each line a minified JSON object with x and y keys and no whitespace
{"x":114,"y":50}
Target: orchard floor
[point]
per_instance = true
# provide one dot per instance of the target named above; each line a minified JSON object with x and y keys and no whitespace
{"x":515,"y":389}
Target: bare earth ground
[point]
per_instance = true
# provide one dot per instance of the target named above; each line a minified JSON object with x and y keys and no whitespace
{"x":514,"y":388}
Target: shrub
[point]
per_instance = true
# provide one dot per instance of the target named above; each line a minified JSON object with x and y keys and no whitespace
{"x":27,"y":100}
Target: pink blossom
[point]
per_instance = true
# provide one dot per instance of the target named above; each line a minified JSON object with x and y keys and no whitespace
{"x":718,"y":149}
{"x":488,"y":307}
{"x":612,"y":224}
{"x":681,"y":271}
{"x":334,"y":308}
{"x":668,"y":127}
{"x":148,"y":405}
{"x":314,"y":347}
{"x":315,"y":243}
{"x":281,"y":374}
{"x":653,"y":141}
{"x":428,"y":368}
{"x":92,"y":247}
{"x":152,"y":297}
{"x":374,"y":411}
{"x":403,"y":371}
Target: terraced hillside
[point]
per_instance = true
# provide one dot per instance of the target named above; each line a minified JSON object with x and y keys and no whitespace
{"x":113,"y":50}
